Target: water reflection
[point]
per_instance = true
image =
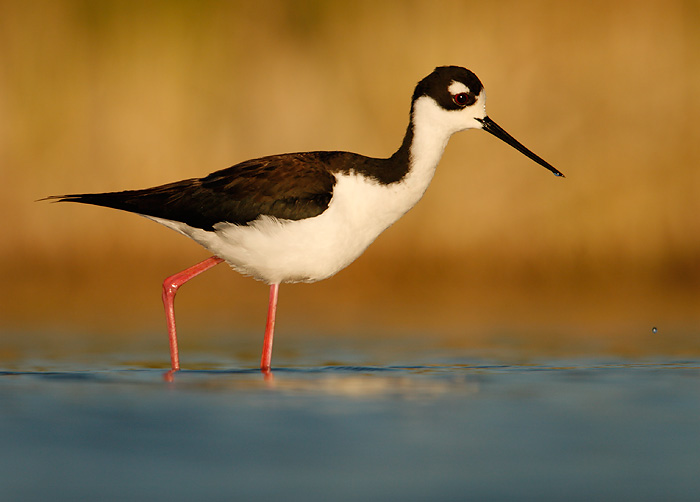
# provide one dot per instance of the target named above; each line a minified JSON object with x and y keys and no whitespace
{"x":365,"y":382}
{"x":443,"y":429}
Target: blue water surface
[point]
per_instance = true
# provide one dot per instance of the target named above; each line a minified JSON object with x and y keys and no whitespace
{"x":428,"y":427}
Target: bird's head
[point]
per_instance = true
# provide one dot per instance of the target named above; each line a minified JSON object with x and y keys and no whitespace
{"x":452,"y":99}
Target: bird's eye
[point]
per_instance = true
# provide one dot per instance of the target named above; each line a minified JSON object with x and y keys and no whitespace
{"x":464,"y":99}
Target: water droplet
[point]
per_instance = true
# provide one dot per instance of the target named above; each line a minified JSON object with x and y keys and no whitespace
{"x":654,"y":330}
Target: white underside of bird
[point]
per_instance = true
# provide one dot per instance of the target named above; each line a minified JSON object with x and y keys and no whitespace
{"x":277,"y":250}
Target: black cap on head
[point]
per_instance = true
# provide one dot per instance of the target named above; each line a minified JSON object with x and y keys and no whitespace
{"x":435,"y":85}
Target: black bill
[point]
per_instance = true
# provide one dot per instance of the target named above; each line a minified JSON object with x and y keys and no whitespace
{"x":490,"y":126}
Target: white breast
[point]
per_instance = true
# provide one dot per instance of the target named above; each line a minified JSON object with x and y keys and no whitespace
{"x":309,"y":250}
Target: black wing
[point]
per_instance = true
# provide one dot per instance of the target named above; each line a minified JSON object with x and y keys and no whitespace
{"x":291,"y":186}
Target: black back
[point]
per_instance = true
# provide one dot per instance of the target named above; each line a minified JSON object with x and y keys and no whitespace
{"x":289,"y":186}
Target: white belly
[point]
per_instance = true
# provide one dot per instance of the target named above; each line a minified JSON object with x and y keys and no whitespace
{"x":275,"y":251}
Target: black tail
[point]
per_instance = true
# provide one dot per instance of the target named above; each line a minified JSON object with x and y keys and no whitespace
{"x":143,"y":202}
{"x":175,"y":201}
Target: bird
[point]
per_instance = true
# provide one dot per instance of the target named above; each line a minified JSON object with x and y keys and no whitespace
{"x":303,"y":217}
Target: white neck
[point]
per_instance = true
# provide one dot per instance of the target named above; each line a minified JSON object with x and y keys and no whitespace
{"x":433,"y":126}
{"x":430,"y":135}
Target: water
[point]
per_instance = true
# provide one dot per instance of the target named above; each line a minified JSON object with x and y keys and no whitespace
{"x":418,"y":425}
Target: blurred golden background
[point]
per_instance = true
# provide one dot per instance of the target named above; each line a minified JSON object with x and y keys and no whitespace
{"x":111,"y":95}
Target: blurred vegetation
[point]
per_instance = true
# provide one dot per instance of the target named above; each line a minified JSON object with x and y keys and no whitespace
{"x":116,"y":94}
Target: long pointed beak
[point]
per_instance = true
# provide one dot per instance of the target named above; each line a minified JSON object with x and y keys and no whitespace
{"x":493,"y":128}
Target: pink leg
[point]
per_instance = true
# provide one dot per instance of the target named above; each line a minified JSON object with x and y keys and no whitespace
{"x":170,"y":287}
{"x":269,"y":329}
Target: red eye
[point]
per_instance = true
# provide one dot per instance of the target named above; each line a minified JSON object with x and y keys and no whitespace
{"x":463,"y":99}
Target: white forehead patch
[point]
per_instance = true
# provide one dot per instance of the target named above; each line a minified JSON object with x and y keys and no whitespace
{"x":457,"y":88}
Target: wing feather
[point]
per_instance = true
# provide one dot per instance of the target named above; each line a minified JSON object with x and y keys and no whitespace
{"x":290,"y":186}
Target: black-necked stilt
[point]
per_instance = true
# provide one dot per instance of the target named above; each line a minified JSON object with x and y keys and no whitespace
{"x":302,"y":217}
